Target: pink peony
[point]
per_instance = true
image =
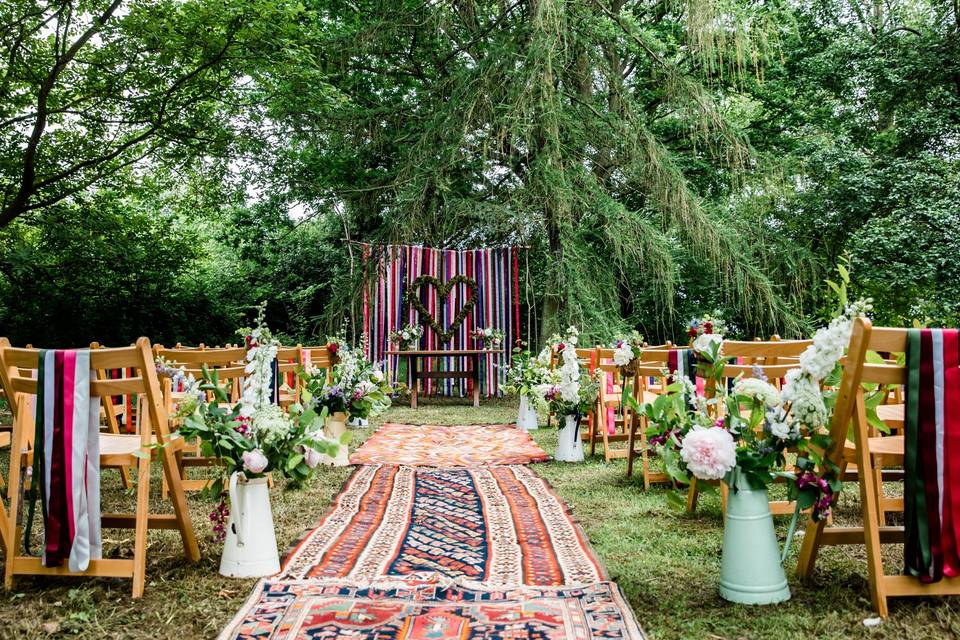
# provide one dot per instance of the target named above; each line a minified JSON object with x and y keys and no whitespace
{"x":709,"y":453}
{"x":254,"y":461}
{"x":312,"y":457}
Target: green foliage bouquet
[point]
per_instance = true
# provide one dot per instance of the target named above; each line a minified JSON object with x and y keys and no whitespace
{"x":267,"y":441}
{"x":254,"y":436}
{"x":759,"y":423}
{"x":356,"y":386}
{"x":526,"y":373}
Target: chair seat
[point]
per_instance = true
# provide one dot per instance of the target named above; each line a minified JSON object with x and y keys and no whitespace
{"x":891,"y":414}
{"x":885,"y":451}
{"x":117,"y":450}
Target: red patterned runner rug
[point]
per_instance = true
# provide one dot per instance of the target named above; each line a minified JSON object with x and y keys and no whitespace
{"x":449,"y":446}
{"x":498,"y":525}
{"x":407,"y":608}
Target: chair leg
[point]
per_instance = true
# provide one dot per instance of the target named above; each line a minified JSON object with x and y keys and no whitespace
{"x":693,"y":493}
{"x":871,"y":533}
{"x":172,"y":473}
{"x":140,"y":527}
{"x":606,"y":441}
{"x":631,"y":436}
{"x":12,"y":526}
{"x":878,"y":485}
{"x":809,"y":549}
{"x":4,"y":544}
{"x":11,"y":536}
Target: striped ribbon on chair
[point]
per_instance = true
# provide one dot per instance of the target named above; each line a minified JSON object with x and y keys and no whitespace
{"x":932,"y":454}
{"x":66,"y":460}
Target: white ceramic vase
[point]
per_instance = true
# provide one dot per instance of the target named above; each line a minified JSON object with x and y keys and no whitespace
{"x":334,"y":428}
{"x":250,"y":549}
{"x":569,"y":444}
{"x":527,"y":417}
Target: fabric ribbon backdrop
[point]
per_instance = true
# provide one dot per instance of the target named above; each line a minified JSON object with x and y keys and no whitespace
{"x":391,"y":270}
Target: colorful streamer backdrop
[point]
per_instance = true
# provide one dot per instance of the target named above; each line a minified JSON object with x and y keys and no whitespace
{"x":391,"y":270}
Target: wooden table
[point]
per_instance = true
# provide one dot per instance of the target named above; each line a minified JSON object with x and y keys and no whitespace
{"x":472,"y":372}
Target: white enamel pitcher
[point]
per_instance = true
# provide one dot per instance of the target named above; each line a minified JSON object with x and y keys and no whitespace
{"x":569,"y":444}
{"x":527,"y":416}
{"x":250,"y":549}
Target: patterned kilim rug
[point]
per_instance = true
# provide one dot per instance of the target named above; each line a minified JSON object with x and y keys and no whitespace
{"x":500,"y":525}
{"x":449,"y":446}
{"x":410,"y":609}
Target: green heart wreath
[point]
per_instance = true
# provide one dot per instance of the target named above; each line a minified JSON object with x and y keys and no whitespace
{"x":443,"y":290}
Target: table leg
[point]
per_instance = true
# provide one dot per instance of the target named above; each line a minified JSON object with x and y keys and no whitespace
{"x":475,"y":376}
{"x":414,"y":381}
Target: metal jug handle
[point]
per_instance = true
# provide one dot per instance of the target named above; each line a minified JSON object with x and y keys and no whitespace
{"x":235,"y":508}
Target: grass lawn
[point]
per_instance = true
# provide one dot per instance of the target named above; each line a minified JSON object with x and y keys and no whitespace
{"x":666,"y":561}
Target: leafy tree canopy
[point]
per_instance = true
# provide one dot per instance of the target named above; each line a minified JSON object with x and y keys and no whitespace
{"x":164,"y":164}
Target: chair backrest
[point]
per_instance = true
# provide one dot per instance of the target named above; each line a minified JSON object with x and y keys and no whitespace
{"x":586,"y":357}
{"x":229,"y":363}
{"x":666,"y":345}
{"x":320,"y":357}
{"x":856,"y":371}
{"x":774,"y":358}
{"x":17,"y":364}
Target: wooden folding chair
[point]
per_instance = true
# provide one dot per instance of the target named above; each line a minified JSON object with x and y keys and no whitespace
{"x":869,"y":453}
{"x":615,"y":427}
{"x":647,"y":381}
{"x":116,"y":450}
{"x":230,"y":366}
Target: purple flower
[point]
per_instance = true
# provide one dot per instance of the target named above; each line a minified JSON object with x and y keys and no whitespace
{"x":758,"y":373}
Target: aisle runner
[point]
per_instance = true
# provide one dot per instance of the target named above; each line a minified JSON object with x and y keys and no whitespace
{"x":409,"y":553}
{"x":495,"y":525}
{"x":409,"y":609}
{"x":449,"y":446}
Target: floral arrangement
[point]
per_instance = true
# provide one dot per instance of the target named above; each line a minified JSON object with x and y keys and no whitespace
{"x":489,"y":336}
{"x":526,"y":372}
{"x":179,"y":378}
{"x":705,"y":332}
{"x":404,"y":336}
{"x":627,"y":348}
{"x":356,"y":386}
{"x":759,"y":423}
{"x":254,"y":436}
{"x":570,"y":389}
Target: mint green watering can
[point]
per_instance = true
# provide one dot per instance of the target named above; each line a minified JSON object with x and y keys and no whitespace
{"x":751,"y":571}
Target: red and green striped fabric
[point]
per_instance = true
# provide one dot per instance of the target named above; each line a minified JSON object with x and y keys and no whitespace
{"x":66,"y":461}
{"x":932,"y":454}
